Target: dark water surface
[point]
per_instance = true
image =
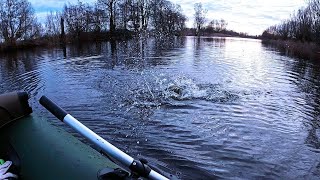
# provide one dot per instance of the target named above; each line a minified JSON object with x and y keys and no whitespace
{"x":197,"y":108}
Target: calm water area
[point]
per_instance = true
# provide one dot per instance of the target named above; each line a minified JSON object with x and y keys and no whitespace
{"x":196,"y":108}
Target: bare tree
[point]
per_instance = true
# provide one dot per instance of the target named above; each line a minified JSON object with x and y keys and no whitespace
{"x":166,"y":17}
{"x":315,"y":11}
{"x":304,"y":25}
{"x":180,"y":19}
{"x":52,"y":24}
{"x":98,"y":19}
{"x":78,"y":18}
{"x":137,"y":13}
{"x":134,"y":17}
{"x":124,"y":13}
{"x":217,"y":26}
{"x":17,"y":21}
{"x":110,"y":7}
{"x":144,"y":11}
{"x":199,"y":17}
{"x":223,"y":25}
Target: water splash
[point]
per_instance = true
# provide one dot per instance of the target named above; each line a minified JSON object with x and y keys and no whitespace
{"x":75,"y":59}
{"x":183,"y":88}
{"x":175,"y":91}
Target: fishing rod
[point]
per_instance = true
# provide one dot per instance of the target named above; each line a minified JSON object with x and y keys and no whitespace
{"x":137,"y":167}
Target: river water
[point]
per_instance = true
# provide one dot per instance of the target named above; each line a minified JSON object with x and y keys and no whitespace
{"x":196,"y":108}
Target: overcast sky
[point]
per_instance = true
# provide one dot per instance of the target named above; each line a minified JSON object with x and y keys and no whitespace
{"x":251,"y":16}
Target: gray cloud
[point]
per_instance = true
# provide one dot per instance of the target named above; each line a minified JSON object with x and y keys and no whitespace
{"x":252,"y":16}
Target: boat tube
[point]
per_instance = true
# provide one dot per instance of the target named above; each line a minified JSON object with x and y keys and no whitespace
{"x":13,"y":106}
{"x":40,"y":150}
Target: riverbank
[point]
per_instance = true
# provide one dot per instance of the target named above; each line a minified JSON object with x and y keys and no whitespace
{"x":54,"y":41}
{"x":305,"y":50}
{"x":118,"y":35}
{"x":222,"y":33}
{"x":236,"y":35}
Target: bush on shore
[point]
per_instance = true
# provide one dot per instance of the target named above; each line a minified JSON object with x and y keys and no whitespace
{"x":305,"y":50}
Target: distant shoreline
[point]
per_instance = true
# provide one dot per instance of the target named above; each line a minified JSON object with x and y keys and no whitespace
{"x":215,"y":35}
{"x":55,"y":41}
{"x":221,"y":35}
{"x":305,"y":50}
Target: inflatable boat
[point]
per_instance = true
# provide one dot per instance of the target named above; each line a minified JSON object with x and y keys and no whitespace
{"x":40,"y":150}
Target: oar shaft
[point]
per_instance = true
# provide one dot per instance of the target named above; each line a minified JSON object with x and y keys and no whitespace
{"x":104,"y":145}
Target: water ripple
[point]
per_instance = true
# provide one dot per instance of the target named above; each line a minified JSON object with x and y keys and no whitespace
{"x":196,"y":108}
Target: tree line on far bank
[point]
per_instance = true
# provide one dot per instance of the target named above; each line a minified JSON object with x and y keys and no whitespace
{"x":19,"y":23}
{"x":103,"y":19}
{"x":304,"y":25}
{"x":161,"y":16}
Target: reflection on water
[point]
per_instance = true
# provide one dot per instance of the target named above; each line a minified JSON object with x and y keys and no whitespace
{"x":198,"y":108}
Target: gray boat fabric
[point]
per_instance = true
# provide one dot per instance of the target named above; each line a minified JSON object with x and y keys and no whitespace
{"x":13,"y":106}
